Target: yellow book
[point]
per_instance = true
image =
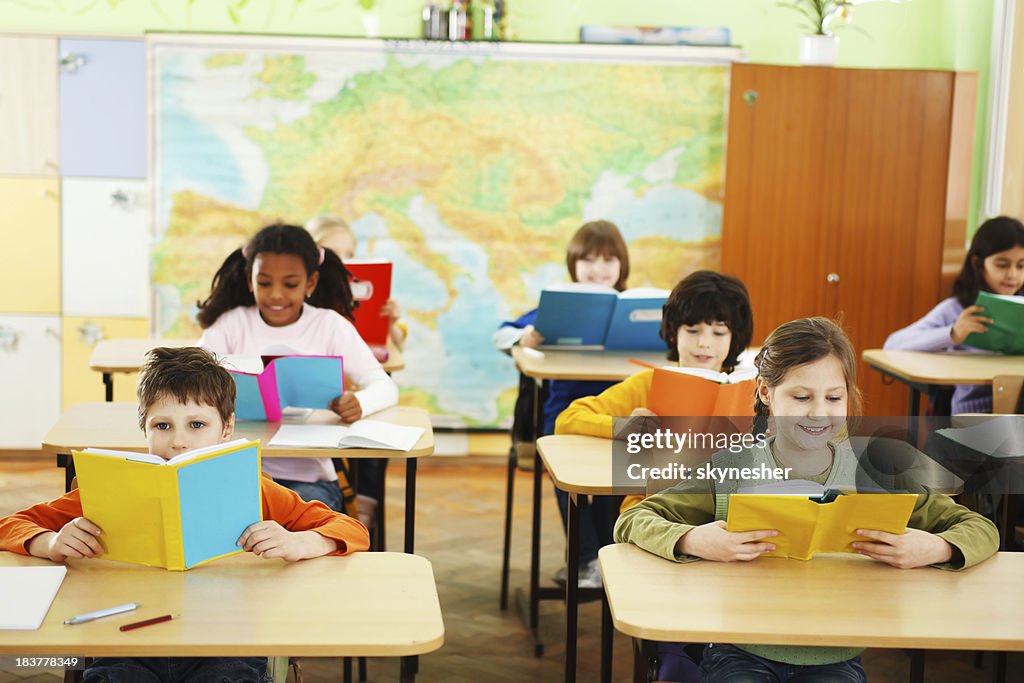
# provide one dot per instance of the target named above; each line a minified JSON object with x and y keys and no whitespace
{"x":175,"y":513}
{"x":807,"y":526}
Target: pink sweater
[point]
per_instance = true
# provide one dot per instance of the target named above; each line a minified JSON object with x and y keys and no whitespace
{"x":318,"y":331}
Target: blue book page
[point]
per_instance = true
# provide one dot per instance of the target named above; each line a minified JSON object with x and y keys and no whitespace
{"x":574,"y":318}
{"x":248,"y":400}
{"x":220,"y":497}
{"x":636,"y":323}
{"x":308,"y":382}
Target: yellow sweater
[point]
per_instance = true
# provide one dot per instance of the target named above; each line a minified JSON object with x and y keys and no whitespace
{"x":593,"y":415}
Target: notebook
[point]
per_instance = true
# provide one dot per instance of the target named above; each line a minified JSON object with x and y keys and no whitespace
{"x":361,"y":434}
{"x":26,"y":594}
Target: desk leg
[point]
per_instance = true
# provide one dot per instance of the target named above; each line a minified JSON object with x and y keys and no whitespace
{"x":572,"y":588}
{"x":999,"y":668}
{"x":506,"y":552}
{"x":410,"y":504}
{"x":410,"y":666}
{"x":913,"y":414}
{"x":538,"y":467}
{"x":607,"y":636}
{"x":108,"y":386}
{"x":916,"y":666}
{"x":64,"y":460}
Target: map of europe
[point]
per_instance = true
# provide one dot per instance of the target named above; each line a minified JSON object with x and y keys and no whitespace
{"x":467,"y":166}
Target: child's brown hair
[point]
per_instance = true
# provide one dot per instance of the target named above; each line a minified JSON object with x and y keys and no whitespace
{"x":186,"y":374}
{"x":800,"y":342}
{"x":601,"y":238}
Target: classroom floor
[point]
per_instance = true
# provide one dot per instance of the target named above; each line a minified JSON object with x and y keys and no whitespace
{"x":460,"y":509}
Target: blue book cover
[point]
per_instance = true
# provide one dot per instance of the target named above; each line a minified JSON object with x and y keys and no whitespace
{"x":575,"y":314}
{"x":286,"y":382}
{"x":636,"y":320}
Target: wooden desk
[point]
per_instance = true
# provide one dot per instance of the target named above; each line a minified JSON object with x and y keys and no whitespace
{"x":116,"y":426}
{"x":128,"y":355}
{"x":919,"y":370}
{"x":581,"y":465}
{"x":541,"y":366}
{"x":839,"y":600}
{"x":366,"y":604}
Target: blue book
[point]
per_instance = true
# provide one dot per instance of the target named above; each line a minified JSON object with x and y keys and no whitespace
{"x":575,"y":314}
{"x":286,"y":382}
{"x":636,"y":320}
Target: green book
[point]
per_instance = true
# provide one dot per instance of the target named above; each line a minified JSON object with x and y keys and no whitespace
{"x":1006,"y":334}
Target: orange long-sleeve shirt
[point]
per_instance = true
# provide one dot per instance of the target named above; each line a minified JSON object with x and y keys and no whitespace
{"x":282,"y":505}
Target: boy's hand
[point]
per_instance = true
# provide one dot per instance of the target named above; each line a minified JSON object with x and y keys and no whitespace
{"x":913,"y":548}
{"x":77,"y":539}
{"x":642,"y":421}
{"x":269,"y":539}
{"x":969,"y":321}
{"x":531,"y":338}
{"x":347,"y":407}
{"x":712,"y":542}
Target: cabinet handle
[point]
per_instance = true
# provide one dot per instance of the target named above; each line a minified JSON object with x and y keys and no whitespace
{"x":750,"y":97}
{"x":832,"y":278}
{"x":8,"y":338}
{"x":70,"y":62}
{"x":90,"y":333}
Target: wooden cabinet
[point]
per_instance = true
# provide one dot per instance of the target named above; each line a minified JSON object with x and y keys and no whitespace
{"x":28,"y":106}
{"x":846,"y":192}
{"x":30,"y":367}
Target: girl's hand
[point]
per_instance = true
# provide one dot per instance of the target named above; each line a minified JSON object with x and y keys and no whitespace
{"x":913,"y":548}
{"x":969,"y":321}
{"x":77,"y":539}
{"x":531,"y":338}
{"x":642,"y":421}
{"x":391,"y":309}
{"x":347,"y":407}
{"x":269,"y":539}
{"x":712,"y":542}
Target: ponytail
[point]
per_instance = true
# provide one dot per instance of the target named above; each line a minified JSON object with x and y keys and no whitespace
{"x":334,"y":290}
{"x":230,"y":289}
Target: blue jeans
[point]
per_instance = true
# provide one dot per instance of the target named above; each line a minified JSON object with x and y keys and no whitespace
{"x":177,"y":670}
{"x":729,"y":664}
{"x":327,"y":492}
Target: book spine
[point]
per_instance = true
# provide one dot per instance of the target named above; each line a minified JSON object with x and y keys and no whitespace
{"x":268,"y":390}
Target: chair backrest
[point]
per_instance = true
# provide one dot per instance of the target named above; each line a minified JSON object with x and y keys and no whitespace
{"x":1006,"y":394}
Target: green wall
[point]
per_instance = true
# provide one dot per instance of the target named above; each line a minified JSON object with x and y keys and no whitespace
{"x":920,"y":34}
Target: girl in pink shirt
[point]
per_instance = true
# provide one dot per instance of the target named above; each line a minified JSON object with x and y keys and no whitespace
{"x":281,"y":290}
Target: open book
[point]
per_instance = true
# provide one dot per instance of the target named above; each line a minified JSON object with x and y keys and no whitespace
{"x":361,"y":434}
{"x":582,"y":315}
{"x":1005,"y":333}
{"x":268,"y":385}
{"x":821,"y":523}
{"x":175,"y":513}
{"x":371,"y":288}
{"x":26,"y":594}
{"x":697,"y":391}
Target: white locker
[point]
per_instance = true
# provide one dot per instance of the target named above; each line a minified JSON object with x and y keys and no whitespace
{"x":30,"y":353}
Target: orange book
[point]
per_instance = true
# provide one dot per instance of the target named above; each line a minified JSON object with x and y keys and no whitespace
{"x":696,"y":391}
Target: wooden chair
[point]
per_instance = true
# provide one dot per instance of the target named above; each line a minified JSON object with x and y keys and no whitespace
{"x":1007,"y":394}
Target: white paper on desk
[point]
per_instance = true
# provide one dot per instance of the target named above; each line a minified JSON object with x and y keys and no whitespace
{"x":1000,"y":437}
{"x":362,"y":434}
{"x":26,"y":594}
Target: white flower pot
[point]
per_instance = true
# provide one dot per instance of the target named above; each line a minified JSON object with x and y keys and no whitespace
{"x":371,"y":25}
{"x":818,"y":50}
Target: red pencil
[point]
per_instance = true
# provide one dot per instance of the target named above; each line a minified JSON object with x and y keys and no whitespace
{"x":148,"y":622}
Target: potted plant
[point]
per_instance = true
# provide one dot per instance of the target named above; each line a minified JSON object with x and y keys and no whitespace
{"x":820,"y":46}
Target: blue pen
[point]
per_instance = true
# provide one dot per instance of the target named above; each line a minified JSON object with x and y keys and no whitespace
{"x":99,"y":614}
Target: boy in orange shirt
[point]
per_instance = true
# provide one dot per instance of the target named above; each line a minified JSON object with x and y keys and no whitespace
{"x":186,"y":401}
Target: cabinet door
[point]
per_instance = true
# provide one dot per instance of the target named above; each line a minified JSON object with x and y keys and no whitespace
{"x":30,"y":235}
{"x":30,"y":366}
{"x":773,"y":232}
{"x":105,"y":248}
{"x":103,"y":108}
{"x":81,"y":384}
{"x":28,"y":106}
{"x":890,"y":210}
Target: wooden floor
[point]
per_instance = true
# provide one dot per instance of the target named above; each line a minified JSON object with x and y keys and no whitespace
{"x":460,"y":508}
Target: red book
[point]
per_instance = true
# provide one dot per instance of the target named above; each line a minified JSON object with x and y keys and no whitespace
{"x":371,"y":288}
